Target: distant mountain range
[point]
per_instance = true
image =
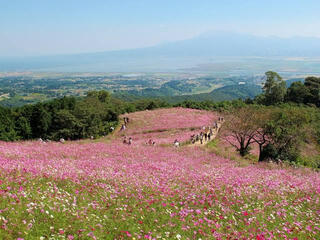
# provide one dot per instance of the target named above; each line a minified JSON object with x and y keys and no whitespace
{"x":185,"y":54}
{"x":226,"y":44}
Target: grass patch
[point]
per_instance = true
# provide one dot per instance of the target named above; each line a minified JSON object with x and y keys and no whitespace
{"x":219,"y":148}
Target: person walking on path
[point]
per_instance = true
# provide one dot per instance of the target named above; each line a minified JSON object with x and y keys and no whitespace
{"x":201,"y":137}
{"x":123,"y":127}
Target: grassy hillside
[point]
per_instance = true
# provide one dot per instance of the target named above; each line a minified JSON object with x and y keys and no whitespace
{"x":105,"y":189}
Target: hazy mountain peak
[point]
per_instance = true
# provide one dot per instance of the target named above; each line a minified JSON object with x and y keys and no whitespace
{"x":176,"y":55}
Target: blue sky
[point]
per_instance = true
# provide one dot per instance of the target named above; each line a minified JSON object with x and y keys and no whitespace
{"x":40,"y":27}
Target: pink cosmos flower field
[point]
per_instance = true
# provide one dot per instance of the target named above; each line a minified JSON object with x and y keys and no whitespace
{"x":175,"y":118}
{"x":109,"y":190}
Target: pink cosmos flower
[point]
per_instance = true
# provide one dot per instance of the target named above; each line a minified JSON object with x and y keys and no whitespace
{"x":245,"y":213}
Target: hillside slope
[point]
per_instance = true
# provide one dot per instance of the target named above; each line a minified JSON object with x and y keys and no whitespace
{"x":107,"y":189}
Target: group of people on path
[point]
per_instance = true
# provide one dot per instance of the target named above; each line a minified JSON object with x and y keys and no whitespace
{"x":205,"y":135}
{"x":61,"y":140}
{"x":126,"y":140}
{"x":151,"y":142}
{"x":125,"y":123}
{"x":207,"y":132}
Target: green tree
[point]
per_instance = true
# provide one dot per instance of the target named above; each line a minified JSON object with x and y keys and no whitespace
{"x":40,"y":121}
{"x":102,"y":95}
{"x":23,"y":128}
{"x":313,"y":85}
{"x":284,"y":132}
{"x":95,"y":115}
{"x":7,"y":131}
{"x":274,"y":89}
{"x":67,"y":125}
{"x":297,"y":93}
